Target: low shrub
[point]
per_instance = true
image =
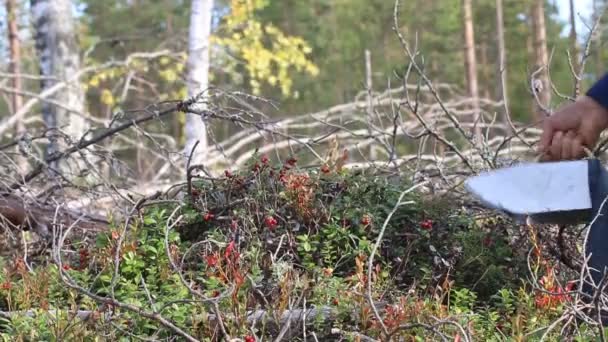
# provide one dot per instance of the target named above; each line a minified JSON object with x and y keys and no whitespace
{"x":280,"y":237}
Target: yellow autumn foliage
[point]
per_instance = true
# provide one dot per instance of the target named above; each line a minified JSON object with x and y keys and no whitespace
{"x":166,"y":69}
{"x":271,"y":62}
{"x":169,"y":75}
{"x":270,"y":57}
{"x":106,"y":97}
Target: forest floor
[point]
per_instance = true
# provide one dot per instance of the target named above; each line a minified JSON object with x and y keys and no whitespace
{"x":278,"y":252}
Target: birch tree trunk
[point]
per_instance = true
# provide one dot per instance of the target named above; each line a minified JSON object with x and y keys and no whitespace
{"x":198,"y":75}
{"x":15,"y":68}
{"x":15,"y":56}
{"x":59,"y":60}
{"x":471,"y":63}
{"x":541,"y":82}
{"x":502,"y":63}
{"x":370,"y":104}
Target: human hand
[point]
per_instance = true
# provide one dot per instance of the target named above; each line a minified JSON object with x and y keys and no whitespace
{"x":570,"y":129}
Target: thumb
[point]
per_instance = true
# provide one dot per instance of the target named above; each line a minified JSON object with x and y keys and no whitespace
{"x":589,"y":135}
{"x":547,"y":135}
{"x":564,"y":120}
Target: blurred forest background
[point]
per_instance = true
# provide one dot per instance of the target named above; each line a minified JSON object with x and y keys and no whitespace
{"x":324,"y":197}
{"x":306,"y":55}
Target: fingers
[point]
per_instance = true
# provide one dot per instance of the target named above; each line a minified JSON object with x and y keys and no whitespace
{"x":565,"y":146}
{"x":545,"y":157}
{"x":567,"y":140}
{"x":569,"y":130}
{"x":577,"y":148}
{"x":567,"y":118}
{"x":590,"y":133}
{"x":556,"y":145}
{"x":547,"y":136}
{"x":571,"y":146}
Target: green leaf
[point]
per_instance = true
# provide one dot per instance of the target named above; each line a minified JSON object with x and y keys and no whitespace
{"x":148,"y":221}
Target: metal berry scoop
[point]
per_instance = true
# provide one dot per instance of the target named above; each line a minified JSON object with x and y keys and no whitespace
{"x":565,"y":192}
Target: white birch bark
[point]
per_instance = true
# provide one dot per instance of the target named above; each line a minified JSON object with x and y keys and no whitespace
{"x":58,"y":54}
{"x":198,"y":75}
{"x":471,"y":63}
{"x":502,"y":62}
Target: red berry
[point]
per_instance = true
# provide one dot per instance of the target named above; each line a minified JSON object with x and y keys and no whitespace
{"x":264,"y":159}
{"x":208,"y":216}
{"x":487,"y":241}
{"x":270,"y":222}
{"x":229,"y":249}
{"x":325,"y":169}
{"x":570,"y":285}
{"x":282,"y":176}
{"x":366,"y":220}
{"x":249,"y":339}
{"x":211,"y":260}
{"x":426,"y":224}
{"x":228,"y":174}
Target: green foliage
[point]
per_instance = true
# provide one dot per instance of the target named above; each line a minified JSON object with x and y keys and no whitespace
{"x":339,"y":34}
{"x":273,"y":232}
{"x":486,"y":247}
{"x":259,"y":238}
{"x":311,"y":54}
{"x":269,"y":54}
{"x":265,"y":55}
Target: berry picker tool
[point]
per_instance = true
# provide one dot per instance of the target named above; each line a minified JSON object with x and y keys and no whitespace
{"x":564,"y":192}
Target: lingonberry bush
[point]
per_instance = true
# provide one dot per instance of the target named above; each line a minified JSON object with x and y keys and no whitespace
{"x":250,"y":253}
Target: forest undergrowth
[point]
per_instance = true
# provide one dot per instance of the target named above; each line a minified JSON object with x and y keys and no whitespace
{"x":277,"y":251}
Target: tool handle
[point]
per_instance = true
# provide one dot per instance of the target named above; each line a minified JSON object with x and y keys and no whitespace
{"x":588,"y":152}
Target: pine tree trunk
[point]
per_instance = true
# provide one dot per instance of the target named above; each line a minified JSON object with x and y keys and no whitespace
{"x":574,"y":50}
{"x":541,"y":56}
{"x":531,"y":57}
{"x":59,"y":60}
{"x":599,"y":67}
{"x":198,"y":75}
{"x":176,"y":124}
{"x":15,"y":68}
{"x":502,"y":63}
{"x":471,"y":63}
{"x":485,"y":82}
